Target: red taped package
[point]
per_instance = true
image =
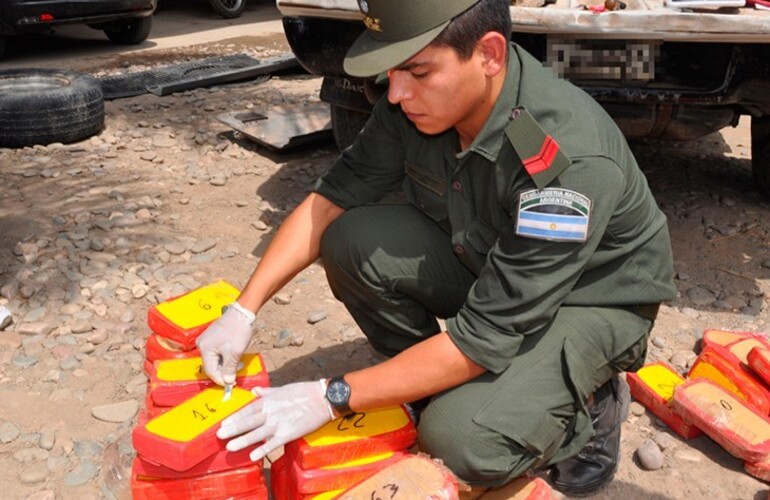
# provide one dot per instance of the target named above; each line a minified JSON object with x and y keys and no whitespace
{"x":759,"y":362}
{"x":183,"y":318}
{"x":246,"y":482}
{"x":336,"y":476}
{"x":726,"y":337}
{"x":741,"y":348}
{"x":283,"y":489}
{"x":356,"y":436}
{"x":185,"y":435}
{"x":653,"y":386}
{"x":737,"y":427}
{"x":157,"y":348}
{"x":218,"y":462}
{"x":760,"y":470}
{"x":173,"y":381}
{"x":414,"y":476}
{"x":152,"y":410}
{"x":717,"y":364}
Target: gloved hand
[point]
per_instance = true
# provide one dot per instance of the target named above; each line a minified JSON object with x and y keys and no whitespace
{"x":282,"y":414}
{"x":224,"y":342}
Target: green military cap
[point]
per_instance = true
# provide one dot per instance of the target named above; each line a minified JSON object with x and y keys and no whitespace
{"x":396,"y":30}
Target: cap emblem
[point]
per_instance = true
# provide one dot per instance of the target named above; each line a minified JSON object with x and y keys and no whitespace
{"x":373,"y":24}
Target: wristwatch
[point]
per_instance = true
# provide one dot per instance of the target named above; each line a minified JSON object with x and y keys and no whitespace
{"x":338,"y":395}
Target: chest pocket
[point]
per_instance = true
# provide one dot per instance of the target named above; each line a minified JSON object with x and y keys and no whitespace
{"x":426,"y":190}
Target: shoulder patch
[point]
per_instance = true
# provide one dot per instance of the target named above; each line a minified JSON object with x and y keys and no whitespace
{"x":553,"y":214}
{"x":541,"y":155}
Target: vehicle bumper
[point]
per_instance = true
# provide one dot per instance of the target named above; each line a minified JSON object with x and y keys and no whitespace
{"x":22,"y":16}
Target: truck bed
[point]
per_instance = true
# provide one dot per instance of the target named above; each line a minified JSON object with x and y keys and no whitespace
{"x":641,"y":19}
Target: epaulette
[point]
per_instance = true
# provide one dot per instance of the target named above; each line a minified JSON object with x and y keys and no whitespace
{"x":539,"y":152}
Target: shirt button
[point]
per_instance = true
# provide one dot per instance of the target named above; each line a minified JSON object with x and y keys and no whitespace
{"x":457,"y":186}
{"x":459,"y":250}
{"x":515,"y":114}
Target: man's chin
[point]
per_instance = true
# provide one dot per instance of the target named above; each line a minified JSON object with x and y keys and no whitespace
{"x":430,"y":129}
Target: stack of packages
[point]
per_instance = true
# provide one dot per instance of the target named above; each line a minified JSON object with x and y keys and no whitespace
{"x":726,"y":395}
{"x":342,"y":453}
{"x":178,"y":453}
{"x":366,"y":456}
{"x":177,"y":322}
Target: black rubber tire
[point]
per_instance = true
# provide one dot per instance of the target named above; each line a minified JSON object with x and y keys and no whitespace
{"x":41,"y":106}
{"x":3,"y":45}
{"x":131,"y":32}
{"x":760,"y":153}
{"x":346,"y":124}
{"x":229,"y":9}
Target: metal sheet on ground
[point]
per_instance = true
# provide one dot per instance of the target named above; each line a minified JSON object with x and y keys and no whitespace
{"x":210,"y":71}
{"x":284,"y":128}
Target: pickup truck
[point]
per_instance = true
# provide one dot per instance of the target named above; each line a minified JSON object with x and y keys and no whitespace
{"x":671,"y":70}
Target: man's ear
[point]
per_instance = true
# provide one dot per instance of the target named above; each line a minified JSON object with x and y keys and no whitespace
{"x":493,"y":48}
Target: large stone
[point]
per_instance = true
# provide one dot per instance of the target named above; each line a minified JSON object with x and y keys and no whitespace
{"x":116,"y":412}
{"x":34,"y":474}
{"x":81,"y":475}
{"x":8,"y":432}
{"x":700,"y":296}
{"x":36,"y":328}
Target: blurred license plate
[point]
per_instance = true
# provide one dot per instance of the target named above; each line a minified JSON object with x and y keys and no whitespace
{"x":602,"y":59}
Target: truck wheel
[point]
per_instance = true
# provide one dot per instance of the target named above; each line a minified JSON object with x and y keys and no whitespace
{"x":130,"y":32}
{"x":41,"y":106}
{"x":346,"y":124}
{"x":229,"y":9}
{"x":760,"y":152}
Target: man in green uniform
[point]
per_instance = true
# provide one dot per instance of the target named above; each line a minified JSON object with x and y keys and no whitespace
{"x":528,"y":227}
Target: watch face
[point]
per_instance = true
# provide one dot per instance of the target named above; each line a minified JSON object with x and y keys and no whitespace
{"x":338,"y":392}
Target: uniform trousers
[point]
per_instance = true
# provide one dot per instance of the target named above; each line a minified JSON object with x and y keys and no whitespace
{"x":394,"y":269}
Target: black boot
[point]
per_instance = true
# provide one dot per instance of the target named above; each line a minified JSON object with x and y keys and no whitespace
{"x":595,"y":465}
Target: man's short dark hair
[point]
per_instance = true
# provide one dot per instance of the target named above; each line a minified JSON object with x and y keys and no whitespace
{"x":466,"y":30}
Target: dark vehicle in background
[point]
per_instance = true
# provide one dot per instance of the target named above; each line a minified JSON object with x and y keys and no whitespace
{"x":125,"y":22}
{"x":660,"y":69}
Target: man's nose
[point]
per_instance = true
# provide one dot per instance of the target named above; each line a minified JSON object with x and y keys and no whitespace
{"x":398,"y":90}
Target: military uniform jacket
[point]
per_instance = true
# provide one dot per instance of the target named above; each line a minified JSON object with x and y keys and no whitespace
{"x":547,"y":207}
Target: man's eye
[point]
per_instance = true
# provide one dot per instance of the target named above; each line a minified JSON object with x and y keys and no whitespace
{"x":421,"y":74}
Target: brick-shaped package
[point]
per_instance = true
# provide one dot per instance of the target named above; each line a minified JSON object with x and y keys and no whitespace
{"x":218,"y":462}
{"x":727,"y":337}
{"x":355,"y":436}
{"x":158,"y":348}
{"x":737,"y":427}
{"x":718,"y":365}
{"x":414,"y":476}
{"x":653,"y":386}
{"x":183,"y":318}
{"x":173,"y":381}
{"x":759,"y":362}
{"x":245,"y":482}
{"x":185,"y":435}
{"x":283,"y":489}
{"x":337,"y":475}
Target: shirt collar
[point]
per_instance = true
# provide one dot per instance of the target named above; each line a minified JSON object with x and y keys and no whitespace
{"x":490,"y":139}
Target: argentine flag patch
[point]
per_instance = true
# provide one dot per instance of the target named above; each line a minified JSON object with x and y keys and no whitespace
{"x":553,"y":214}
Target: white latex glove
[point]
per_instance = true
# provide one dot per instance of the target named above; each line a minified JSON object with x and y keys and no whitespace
{"x":280,"y":415}
{"x":224,"y":342}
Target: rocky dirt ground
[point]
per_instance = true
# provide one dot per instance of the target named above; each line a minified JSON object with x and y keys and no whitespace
{"x":167,"y":199}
